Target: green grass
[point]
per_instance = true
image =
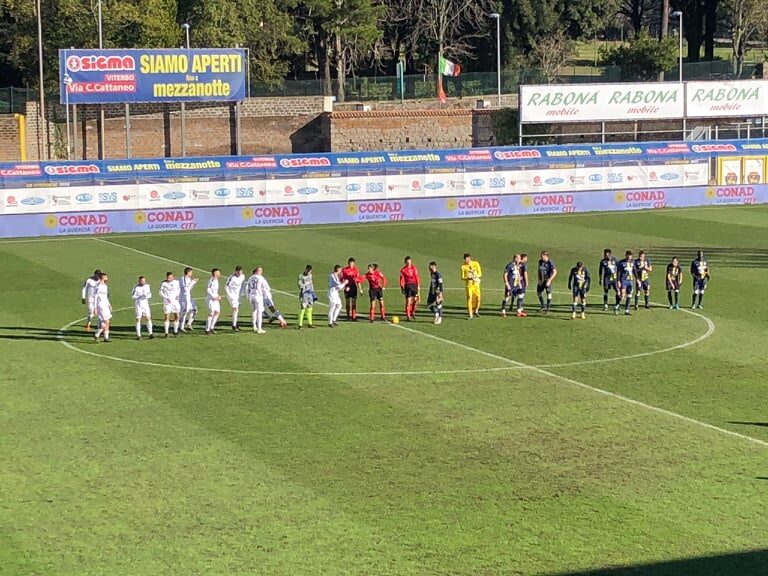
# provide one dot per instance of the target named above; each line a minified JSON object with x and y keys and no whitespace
{"x":116,"y":468}
{"x":588,"y":52}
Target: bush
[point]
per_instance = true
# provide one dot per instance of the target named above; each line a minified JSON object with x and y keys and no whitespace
{"x":643,"y":58}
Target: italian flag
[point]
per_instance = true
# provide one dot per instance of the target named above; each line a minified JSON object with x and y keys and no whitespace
{"x":446,"y":68}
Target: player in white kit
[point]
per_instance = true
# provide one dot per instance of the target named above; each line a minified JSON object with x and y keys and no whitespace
{"x":269,"y":305}
{"x":170,"y":292}
{"x":335,"y":286}
{"x":254,"y":290}
{"x":141,"y":294}
{"x":103,"y":307}
{"x":88,"y":297}
{"x":234,"y":289}
{"x":213,"y":300}
{"x":188,"y":306}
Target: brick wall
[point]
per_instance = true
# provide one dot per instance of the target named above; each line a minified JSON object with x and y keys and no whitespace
{"x":409,"y":129}
{"x":507,"y":101}
{"x":10,"y":139}
{"x":268,"y":125}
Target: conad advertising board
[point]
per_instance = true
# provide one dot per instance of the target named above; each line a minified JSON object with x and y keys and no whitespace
{"x":97,"y":197}
{"x":642,"y":101}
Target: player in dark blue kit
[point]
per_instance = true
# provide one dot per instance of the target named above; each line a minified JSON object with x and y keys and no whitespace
{"x":512,"y":284}
{"x":643,"y":269}
{"x":547,"y":275}
{"x":608,"y":277}
{"x":523,"y":285}
{"x":700,"y":273}
{"x":435,"y":297}
{"x":674,"y":281}
{"x":626,"y":281}
{"x":579,"y":282}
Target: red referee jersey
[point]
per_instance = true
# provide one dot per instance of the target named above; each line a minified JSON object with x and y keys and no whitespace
{"x":351,"y":275}
{"x":409,"y":275}
{"x":376,"y":280}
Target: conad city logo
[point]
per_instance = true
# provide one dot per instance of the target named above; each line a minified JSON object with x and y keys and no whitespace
{"x":475,"y":206}
{"x":549,"y":203}
{"x":166,"y":219}
{"x":732,"y":195}
{"x":642,"y":199}
{"x":368,"y":211}
{"x":79,"y":223}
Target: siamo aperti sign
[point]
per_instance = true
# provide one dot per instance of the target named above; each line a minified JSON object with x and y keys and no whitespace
{"x":649,"y":101}
{"x":180,"y":75}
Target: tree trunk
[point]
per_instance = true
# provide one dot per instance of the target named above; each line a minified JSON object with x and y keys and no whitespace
{"x":341,"y":66}
{"x":327,"y":82}
{"x":693,"y":23}
{"x":710,"y":27}
{"x":664,"y":28}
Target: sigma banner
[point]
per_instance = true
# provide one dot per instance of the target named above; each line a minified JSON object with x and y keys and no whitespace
{"x":598,"y":102}
{"x":55,"y":223}
{"x":178,"y":75}
{"x":722,"y":99}
{"x":642,"y":101}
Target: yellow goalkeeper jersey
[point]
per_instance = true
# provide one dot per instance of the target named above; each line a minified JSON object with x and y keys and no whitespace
{"x":471,"y":273}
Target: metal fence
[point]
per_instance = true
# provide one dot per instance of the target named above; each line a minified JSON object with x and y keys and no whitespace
{"x":469,"y":84}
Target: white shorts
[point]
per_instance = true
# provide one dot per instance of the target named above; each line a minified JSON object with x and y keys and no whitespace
{"x":104,"y":314}
{"x":172,"y":307}
{"x":91,"y":304}
{"x":142,"y":310}
{"x":257,"y":305}
{"x":234,"y":300}
{"x":188,"y":305}
{"x":214,"y":306}
{"x":334,"y":298}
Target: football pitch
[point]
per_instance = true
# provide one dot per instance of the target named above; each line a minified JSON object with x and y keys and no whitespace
{"x":540,"y":445}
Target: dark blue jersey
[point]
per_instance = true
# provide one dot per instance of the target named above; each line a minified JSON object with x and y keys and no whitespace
{"x":674,"y":275}
{"x":626,"y":270}
{"x":642,"y":270}
{"x":579,"y":279}
{"x":608,"y":269}
{"x":513,"y":275}
{"x":546,"y":270}
{"x":700,"y":269}
{"x":435,"y":284}
{"x":523,"y":273}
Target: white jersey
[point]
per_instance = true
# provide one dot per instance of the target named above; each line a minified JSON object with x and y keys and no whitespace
{"x":212,"y":293}
{"x":335,"y":285}
{"x":103,"y":307}
{"x":170,"y":291}
{"x":89,"y":288}
{"x":254,"y":288}
{"x":185,"y":285}
{"x":234,"y":285}
{"x":141,"y":296}
{"x":267,"y":292}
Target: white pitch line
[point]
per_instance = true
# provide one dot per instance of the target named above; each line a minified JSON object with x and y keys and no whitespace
{"x":542,"y":371}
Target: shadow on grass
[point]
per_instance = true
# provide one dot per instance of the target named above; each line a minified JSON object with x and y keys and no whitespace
{"x":730,"y":257}
{"x":759,"y":424}
{"x":751,"y":563}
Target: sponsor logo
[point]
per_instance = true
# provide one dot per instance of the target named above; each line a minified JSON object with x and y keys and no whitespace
{"x":515,"y":154}
{"x":549,"y":203}
{"x":331,"y":189}
{"x":354,"y":187}
{"x":21,"y":170}
{"x":577,"y":180}
{"x":732,"y":195}
{"x":154,"y":196}
{"x":475,"y":206}
{"x":199,"y":194}
{"x":106,"y":197}
{"x":174,"y":195}
{"x":596,"y":177}
{"x":32,"y":201}
{"x":554,"y":181}
{"x":374,"y":187}
{"x":61,"y":200}
{"x":477,"y":183}
{"x":372,"y":211}
{"x":434,"y":185}
{"x":166,"y":219}
{"x":303,"y":161}
{"x":241,"y":192}
{"x":499,"y":182}
{"x":288,"y":191}
{"x":71,"y":169}
{"x":222,"y":192}
{"x":84,"y":198}
{"x":703,"y":148}
{"x":536,"y":181}
{"x":96,"y":63}
{"x":692,"y":175}
{"x":614,"y":178}
{"x":256,"y":162}
{"x":456,"y":185}
{"x":642,"y":199}
{"x":392,"y":188}
{"x":79,"y":223}
{"x":668,"y":176}
{"x":307,"y":191}
{"x":273,"y":215}
{"x":10,"y":201}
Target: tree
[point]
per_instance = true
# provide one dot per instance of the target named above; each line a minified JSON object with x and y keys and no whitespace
{"x":449,"y":27}
{"x":746,"y":20}
{"x":643,"y":58}
{"x":639,"y":12}
{"x":551,"y":53}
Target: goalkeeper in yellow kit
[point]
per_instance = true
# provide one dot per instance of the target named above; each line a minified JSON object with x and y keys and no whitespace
{"x":471,"y":272}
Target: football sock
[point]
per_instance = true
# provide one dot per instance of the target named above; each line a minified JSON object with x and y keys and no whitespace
{"x":520,"y":303}
{"x":149,"y":327}
{"x":573,"y":307}
{"x":626,"y":304}
{"x":693,"y":300}
{"x":549,"y":301}
{"x":541,"y":300}
{"x":647,"y":300}
{"x":669,"y":297}
{"x":583,"y":307}
{"x":677,"y":298}
{"x":166,"y":324}
{"x":106,"y":334}
{"x":301,"y":316}
{"x":175,"y":326}
{"x":309,"y":315}
{"x":235,"y":314}
{"x":138,"y":328}
{"x":701,"y":297}
{"x":382,"y":310}
{"x":605,"y":298}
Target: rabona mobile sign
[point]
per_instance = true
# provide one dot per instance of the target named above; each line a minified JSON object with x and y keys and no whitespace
{"x":596,"y":102}
{"x":654,"y":101}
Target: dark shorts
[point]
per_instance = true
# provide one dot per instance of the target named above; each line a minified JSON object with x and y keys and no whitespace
{"x":644,"y":285}
{"x":626,"y":286}
{"x":350,"y":291}
{"x":544,"y":288}
{"x":700,"y":284}
{"x":579,"y":293}
{"x":375,"y":294}
{"x":609,"y":285}
{"x":673,"y":286}
{"x":411,"y":290}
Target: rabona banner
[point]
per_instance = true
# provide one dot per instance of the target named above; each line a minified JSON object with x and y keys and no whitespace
{"x":649,"y":101}
{"x":104,"y":76}
{"x":597,"y":102}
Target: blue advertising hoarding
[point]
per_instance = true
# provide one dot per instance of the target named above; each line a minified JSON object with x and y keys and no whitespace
{"x":163,"y":75}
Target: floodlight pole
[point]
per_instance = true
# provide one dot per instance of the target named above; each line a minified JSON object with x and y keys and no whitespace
{"x":102,"y":128}
{"x":43,"y":128}
{"x":185,"y":27}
